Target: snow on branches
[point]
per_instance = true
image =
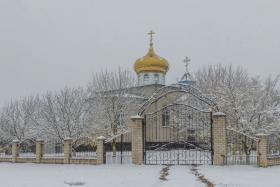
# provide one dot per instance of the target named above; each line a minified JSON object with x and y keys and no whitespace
{"x":250,"y":103}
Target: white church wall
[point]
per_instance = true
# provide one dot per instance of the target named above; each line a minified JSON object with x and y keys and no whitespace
{"x":151,"y":78}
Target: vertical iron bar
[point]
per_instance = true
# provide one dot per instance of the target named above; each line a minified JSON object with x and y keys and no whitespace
{"x":211,"y":136}
{"x":121,"y":148}
{"x":144,"y":138}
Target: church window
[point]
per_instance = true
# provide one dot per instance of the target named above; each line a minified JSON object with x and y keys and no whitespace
{"x":156,"y":77}
{"x":166,"y":118}
{"x":146,"y":77}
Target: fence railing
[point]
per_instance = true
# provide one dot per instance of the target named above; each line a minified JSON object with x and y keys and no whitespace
{"x":84,"y":148}
{"x":53,"y":149}
{"x":273,"y":145}
{"x":81,"y":151}
{"x":118,"y":148}
{"x":27,"y":148}
{"x":241,"y":148}
{"x":6,"y":150}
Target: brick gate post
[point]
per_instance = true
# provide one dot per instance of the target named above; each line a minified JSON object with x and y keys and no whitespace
{"x":15,"y":150}
{"x":137,"y":139}
{"x":262,"y":150}
{"x":219,"y":139}
{"x":100,"y":151}
{"x":39,"y":150}
{"x":67,"y":150}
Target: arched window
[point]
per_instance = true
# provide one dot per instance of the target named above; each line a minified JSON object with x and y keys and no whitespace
{"x":146,"y":77}
{"x":156,"y":78}
{"x":165,"y":118}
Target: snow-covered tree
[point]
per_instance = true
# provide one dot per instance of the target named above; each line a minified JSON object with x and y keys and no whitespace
{"x":18,"y":119}
{"x":63,"y":114}
{"x":249,"y":102}
{"x":111,"y":101}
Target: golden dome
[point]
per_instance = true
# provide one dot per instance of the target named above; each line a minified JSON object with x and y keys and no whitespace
{"x":151,"y":62}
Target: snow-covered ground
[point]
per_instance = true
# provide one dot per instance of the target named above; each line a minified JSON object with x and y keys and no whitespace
{"x":43,"y":175}
{"x":242,"y":176}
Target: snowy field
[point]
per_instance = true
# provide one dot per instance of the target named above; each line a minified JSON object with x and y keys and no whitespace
{"x":242,"y":176}
{"x":43,"y":175}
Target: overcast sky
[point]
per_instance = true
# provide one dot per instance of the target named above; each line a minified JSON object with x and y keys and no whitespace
{"x":50,"y":44}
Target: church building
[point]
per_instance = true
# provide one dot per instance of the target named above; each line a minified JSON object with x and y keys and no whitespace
{"x":151,"y":71}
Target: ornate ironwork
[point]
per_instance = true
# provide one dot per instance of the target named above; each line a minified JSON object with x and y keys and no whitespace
{"x":178,"y":134}
{"x":84,"y":147}
{"x":179,"y":88}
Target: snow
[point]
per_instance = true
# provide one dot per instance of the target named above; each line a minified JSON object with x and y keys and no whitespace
{"x":136,"y":117}
{"x":181,"y":176}
{"x":57,"y":175}
{"x":219,"y":114}
{"x":44,"y":175}
{"x":248,"y":176}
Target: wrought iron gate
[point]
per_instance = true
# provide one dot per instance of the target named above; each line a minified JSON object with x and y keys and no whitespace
{"x":178,"y":134}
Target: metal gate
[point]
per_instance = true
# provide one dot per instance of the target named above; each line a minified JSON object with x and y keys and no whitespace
{"x":178,"y":134}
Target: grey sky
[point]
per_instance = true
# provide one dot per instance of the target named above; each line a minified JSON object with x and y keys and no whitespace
{"x":48,"y":44}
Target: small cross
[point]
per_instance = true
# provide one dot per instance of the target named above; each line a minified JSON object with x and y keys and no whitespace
{"x":186,"y":61}
{"x":151,"y":33}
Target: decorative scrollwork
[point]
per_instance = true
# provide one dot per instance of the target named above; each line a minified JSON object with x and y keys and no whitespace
{"x":178,"y":88}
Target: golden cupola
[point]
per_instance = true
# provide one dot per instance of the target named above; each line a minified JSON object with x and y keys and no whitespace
{"x":151,"y":68}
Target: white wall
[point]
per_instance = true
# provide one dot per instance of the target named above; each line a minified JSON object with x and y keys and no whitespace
{"x":151,"y":78}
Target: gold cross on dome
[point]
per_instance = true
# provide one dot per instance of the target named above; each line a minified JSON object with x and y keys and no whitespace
{"x":151,"y":33}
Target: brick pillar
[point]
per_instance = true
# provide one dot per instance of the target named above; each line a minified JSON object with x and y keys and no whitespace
{"x":39,"y":150}
{"x":219,"y":139}
{"x":15,"y":150}
{"x":262,"y":150}
{"x":137,"y":139}
{"x":67,"y":150}
{"x":100,"y":151}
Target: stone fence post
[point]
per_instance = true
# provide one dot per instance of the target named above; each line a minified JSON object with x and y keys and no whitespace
{"x":262,"y":150}
{"x":39,"y":150}
{"x":137,"y":139}
{"x":15,"y":150}
{"x":100,"y":151}
{"x":219,"y":139}
{"x":67,"y":150}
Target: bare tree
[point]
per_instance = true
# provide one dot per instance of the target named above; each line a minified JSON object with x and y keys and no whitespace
{"x":246,"y":100}
{"x":111,"y":100}
{"x":63,"y":113}
{"x":250,"y":103}
{"x":17,"y":119}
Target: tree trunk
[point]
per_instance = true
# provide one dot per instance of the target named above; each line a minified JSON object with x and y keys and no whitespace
{"x":114,"y":146}
{"x":247,"y":159}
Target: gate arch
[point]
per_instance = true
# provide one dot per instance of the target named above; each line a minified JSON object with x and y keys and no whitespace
{"x":178,"y":126}
{"x":178,"y":90}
